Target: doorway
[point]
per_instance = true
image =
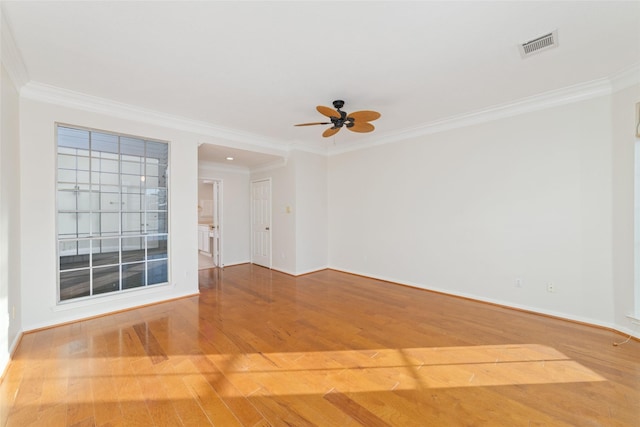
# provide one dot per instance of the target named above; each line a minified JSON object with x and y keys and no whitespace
{"x":209,"y":223}
{"x":261,"y":222}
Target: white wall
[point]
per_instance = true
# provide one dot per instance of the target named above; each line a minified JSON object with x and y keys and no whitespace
{"x":469,"y":211}
{"x":545,"y":197}
{"x":236,"y":223}
{"x":10,"y":294}
{"x":311,"y":212}
{"x":624,"y":121}
{"x":38,"y":214}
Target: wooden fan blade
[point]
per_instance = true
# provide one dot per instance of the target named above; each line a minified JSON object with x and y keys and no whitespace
{"x":364,"y":116}
{"x":361,"y":127}
{"x":326,"y":111}
{"x":331,"y":131}
{"x":314,"y":123}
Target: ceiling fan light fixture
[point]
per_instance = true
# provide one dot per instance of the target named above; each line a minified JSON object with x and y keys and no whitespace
{"x":357,"y":121}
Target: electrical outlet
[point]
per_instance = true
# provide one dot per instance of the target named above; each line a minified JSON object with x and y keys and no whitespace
{"x":550,"y":287}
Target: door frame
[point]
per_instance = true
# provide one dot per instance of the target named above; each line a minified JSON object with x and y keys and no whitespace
{"x":270,"y":218}
{"x":217,"y":205}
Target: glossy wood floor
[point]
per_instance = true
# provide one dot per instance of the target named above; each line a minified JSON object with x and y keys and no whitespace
{"x":259,"y":348}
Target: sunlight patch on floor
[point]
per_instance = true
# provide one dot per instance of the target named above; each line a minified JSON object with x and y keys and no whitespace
{"x":401,"y":369}
{"x":319,"y":372}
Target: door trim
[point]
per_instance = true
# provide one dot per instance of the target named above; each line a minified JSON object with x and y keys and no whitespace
{"x":218,"y":204}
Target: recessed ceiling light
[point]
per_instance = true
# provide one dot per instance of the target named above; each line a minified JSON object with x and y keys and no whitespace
{"x":229,"y":158}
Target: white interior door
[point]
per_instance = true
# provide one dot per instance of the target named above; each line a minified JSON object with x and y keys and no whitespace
{"x":261,"y":222}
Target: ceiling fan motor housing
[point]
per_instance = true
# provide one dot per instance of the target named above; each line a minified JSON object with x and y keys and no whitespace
{"x":338,"y":122}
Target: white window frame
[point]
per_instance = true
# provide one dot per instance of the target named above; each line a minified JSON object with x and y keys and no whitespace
{"x":152,"y":262}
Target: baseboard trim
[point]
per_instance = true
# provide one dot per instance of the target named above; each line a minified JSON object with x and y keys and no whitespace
{"x":231,"y":264}
{"x":109,"y":313}
{"x":517,"y":307}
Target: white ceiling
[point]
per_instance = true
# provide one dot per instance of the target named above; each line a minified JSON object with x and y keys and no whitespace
{"x":260,"y":67}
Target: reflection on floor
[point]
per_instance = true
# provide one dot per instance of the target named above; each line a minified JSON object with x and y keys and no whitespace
{"x":257,"y":347}
{"x":205,"y":261}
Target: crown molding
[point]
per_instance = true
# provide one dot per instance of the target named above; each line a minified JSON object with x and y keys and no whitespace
{"x":50,"y":94}
{"x":67,"y":98}
{"x":568,"y":95}
{"x":627,"y":77}
{"x":314,"y":147}
{"x":10,"y":55}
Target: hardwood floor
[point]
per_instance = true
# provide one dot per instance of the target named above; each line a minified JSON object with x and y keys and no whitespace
{"x":260,"y":348}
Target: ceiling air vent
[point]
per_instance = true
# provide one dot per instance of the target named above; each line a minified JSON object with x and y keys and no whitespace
{"x":539,"y":44}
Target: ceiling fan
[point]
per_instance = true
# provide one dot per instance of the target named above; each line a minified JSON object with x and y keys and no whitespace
{"x":357,"y":121}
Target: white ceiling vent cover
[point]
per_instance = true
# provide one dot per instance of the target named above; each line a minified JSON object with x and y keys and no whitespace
{"x":548,"y":41}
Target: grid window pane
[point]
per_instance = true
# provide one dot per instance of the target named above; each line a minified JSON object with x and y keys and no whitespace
{"x":74,"y":254}
{"x":73,"y":138}
{"x":151,"y":181}
{"x":110,"y":185}
{"x":106,"y":279}
{"x":105,"y":252}
{"x":83,"y":177}
{"x":132,"y":223}
{"x":132,"y":202}
{"x":162,"y":175}
{"x":157,"y":247}
{"x":107,"y":201}
{"x":157,"y":272}
{"x":66,"y":161}
{"x":82,"y":164}
{"x":132,"y":148}
{"x":157,"y":152}
{"x":156,"y":199}
{"x":133,"y":275}
{"x":74,"y":284}
{"x":108,"y":224}
{"x":104,"y":143}
{"x":106,"y":178}
{"x":131,"y":168}
{"x":132,"y":183}
{"x":158,"y":222}
{"x":67,"y":175}
{"x":152,"y":167}
{"x":67,"y":200}
{"x":67,"y":224}
{"x":132,"y":249}
{"x":99,"y":164}
{"x":84,"y":200}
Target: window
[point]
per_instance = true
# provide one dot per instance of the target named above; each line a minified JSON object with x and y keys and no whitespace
{"x":112,"y":213}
